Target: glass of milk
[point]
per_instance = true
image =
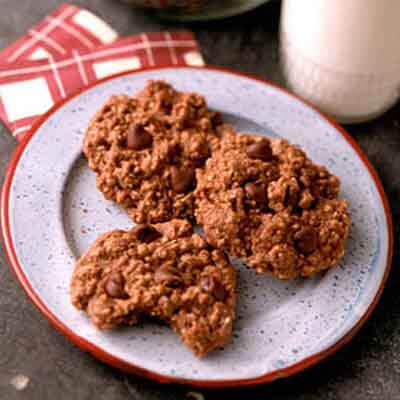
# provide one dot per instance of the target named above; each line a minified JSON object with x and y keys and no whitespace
{"x":343,"y":55}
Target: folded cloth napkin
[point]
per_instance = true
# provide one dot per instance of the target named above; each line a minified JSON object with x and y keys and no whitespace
{"x":71,"y":49}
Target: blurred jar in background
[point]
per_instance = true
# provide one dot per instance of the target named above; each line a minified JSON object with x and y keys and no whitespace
{"x":343,"y":55}
{"x":181,"y":6}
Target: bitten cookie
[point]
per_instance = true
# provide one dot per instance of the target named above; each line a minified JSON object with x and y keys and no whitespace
{"x":146,"y":149}
{"x":164,"y":271}
{"x":264,"y":201}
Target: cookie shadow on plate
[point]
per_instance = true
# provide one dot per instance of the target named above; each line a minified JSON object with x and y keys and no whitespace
{"x":242,"y":124}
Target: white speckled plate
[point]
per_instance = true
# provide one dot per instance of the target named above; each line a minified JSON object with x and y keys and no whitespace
{"x":52,"y":211}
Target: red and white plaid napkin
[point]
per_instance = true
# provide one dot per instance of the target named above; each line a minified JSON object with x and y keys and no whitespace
{"x":70,"y":49}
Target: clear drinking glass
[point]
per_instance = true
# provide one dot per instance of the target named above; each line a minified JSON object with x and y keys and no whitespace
{"x":342,"y":55}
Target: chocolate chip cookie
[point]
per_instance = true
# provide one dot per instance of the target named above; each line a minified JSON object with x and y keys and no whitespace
{"x":164,"y":271}
{"x":146,"y":149}
{"x":265,"y":201}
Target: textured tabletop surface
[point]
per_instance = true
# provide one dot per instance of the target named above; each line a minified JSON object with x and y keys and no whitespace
{"x":367,"y":368}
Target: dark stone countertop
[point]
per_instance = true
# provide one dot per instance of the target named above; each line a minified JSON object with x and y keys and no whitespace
{"x":367,"y":368}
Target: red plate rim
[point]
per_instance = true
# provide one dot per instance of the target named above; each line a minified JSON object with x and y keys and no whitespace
{"x":128,"y":367}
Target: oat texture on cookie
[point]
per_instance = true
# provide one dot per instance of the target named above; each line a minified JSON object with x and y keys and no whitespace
{"x":164,"y":271}
{"x":265,"y":201}
{"x":146,"y":149}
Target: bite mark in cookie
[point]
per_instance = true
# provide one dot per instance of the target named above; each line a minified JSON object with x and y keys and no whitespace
{"x":164,"y":271}
{"x":265,"y":201}
{"x":145,"y":150}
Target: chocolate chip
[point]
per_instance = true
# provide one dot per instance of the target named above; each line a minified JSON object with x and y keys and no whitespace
{"x":260,"y":150}
{"x":173,"y":151}
{"x":146,"y":233}
{"x":114,"y":286}
{"x":216,"y":119}
{"x":168,"y":276}
{"x":306,"y":240}
{"x":210,"y":285}
{"x":202,"y":152}
{"x":291,"y":197}
{"x":167,"y":105}
{"x":138,"y":138}
{"x":256,"y":192}
{"x":219,"y":292}
{"x":182,"y":180}
{"x":200,"y":161}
